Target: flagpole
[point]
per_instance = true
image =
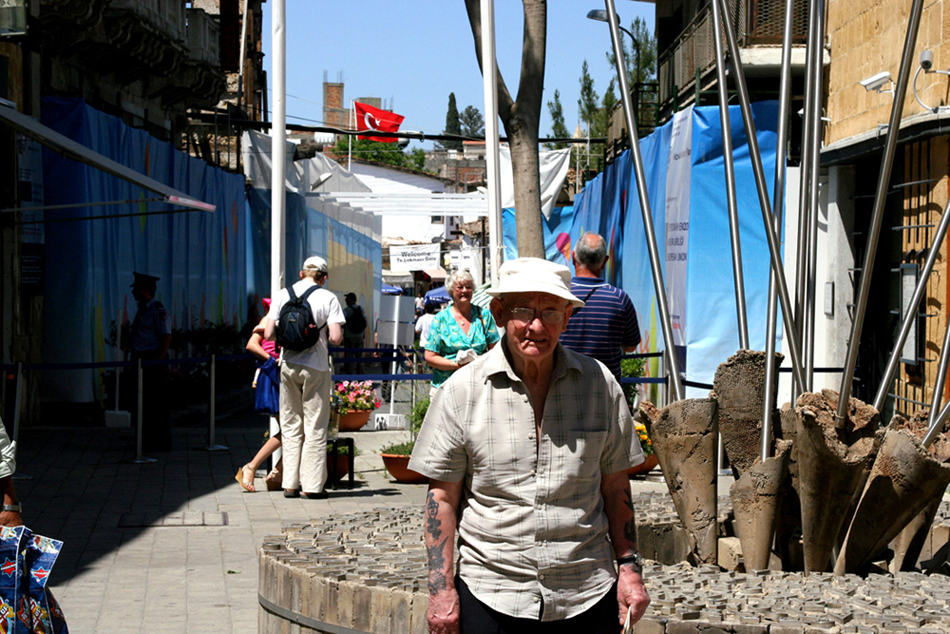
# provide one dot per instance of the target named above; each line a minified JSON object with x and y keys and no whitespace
{"x":278,"y":146}
{"x":349,"y":140}
{"x":492,"y":159}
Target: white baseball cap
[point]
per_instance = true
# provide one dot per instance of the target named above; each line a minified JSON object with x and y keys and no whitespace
{"x":534,"y":275}
{"x":315,"y":263}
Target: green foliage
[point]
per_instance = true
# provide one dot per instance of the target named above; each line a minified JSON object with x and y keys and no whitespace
{"x":384,"y":153}
{"x":416,"y":417}
{"x":558,"y":127}
{"x":587,"y":103}
{"x":647,"y":46}
{"x":631,"y":368}
{"x":452,"y":125}
{"x":473,"y":123}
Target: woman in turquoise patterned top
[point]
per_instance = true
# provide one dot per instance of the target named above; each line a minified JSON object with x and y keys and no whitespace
{"x":461,"y":326}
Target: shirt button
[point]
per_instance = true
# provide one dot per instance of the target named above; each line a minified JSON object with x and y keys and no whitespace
{"x":533,"y":472}
{"x":536,"y":599}
{"x":540,"y":576}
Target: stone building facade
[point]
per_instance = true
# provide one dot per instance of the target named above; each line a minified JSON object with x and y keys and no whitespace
{"x":865,"y":38}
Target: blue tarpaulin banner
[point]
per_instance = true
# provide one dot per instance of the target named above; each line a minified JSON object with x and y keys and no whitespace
{"x":609,"y":205}
{"x":200,"y":257}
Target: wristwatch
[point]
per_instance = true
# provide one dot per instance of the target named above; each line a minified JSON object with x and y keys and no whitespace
{"x":14,"y":508}
{"x":635,"y":560}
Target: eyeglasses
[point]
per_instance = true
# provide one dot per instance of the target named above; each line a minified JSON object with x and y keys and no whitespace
{"x":527,"y":315}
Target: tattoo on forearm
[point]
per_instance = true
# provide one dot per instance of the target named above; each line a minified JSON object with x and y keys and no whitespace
{"x":630,"y":533}
{"x":433,"y":525}
{"x":436,"y":554}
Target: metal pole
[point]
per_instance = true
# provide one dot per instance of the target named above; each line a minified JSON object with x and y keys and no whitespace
{"x":936,"y":426}
{"x":139,"y":418}
{"x":730,"y":169}
{"x":492,"y":156}
{"x":212,"y":413}
{"x":912,"y":314}
{"x":880,"y":196}
{"x":118,"y":369}
{"x":801,"y":252}
{"x":762,"y":189}
{"x":941,"y":376}
{"x":655,"y":264}
{"x":778,"y":205}
{"x":278,"y":149}
{"x":808,"y":316}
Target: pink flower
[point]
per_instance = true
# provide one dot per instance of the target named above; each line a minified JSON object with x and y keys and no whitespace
{"x":352,"y":398}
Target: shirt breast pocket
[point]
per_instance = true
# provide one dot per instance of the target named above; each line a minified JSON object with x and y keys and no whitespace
{"x":576,"y":454}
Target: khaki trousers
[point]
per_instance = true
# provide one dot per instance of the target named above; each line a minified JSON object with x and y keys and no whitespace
{"x":304,"y":416}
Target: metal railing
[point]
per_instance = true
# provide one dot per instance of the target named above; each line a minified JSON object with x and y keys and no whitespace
{"x":692,"y":54}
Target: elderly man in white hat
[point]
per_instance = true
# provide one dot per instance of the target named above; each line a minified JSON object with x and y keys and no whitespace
{"x":526,"y":449}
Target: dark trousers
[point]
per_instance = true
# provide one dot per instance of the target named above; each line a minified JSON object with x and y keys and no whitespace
{"x":478,"y":618}
{"x":353,"y":343}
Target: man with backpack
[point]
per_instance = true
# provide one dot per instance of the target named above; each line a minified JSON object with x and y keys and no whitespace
{"x":304,"y":318}
{"x":353,"y":332}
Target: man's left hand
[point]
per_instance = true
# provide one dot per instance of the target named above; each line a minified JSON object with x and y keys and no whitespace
{"x":10,"y":518}
{"x":631,"y":593}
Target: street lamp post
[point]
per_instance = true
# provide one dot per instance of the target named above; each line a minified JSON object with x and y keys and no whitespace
{"x":600,"y":15}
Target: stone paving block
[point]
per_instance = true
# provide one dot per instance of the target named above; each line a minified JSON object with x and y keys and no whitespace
{"x":730,"y":553}
{"x":674,"y":626}
{"x":346,"y":606}
{"x":650,"y":625}
{"x":400,"y":612}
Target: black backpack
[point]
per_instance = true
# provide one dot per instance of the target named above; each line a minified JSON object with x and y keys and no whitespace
{"x":356,"y":322}
{"x":296,"y":328}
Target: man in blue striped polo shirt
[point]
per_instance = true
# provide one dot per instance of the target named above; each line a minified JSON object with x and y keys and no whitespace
{"x":607,"y":323}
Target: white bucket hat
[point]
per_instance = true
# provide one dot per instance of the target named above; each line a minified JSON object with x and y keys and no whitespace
{"x":534,"y":275}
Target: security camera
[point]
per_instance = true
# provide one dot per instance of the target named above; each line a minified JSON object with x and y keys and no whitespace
{"x":926,"y":60}
{"x":876,"y":82}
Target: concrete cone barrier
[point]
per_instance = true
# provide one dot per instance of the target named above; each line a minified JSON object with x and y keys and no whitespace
{"x":739,"y":387}
{"x":910,"y":542}
{"x":755,"y":502}
{"x":789,"y":528}
{"x":830,"y":465}
{"x":904,"y":480}
{"x":684,"y":439}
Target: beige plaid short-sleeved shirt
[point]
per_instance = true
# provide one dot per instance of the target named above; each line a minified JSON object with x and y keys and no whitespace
{"x":532,"y":523}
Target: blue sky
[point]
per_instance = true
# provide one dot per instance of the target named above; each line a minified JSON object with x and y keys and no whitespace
{"x":412,"y":54}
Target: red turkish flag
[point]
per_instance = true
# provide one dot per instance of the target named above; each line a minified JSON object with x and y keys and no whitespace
{"x":370,"y":118}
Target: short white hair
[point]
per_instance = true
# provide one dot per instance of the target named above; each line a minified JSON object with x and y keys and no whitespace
{"x":462,"y":275}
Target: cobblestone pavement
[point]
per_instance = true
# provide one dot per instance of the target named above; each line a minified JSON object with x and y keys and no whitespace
{"x":172,"y":545}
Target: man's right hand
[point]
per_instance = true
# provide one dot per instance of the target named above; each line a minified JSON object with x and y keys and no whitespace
{"x":443,"y":614}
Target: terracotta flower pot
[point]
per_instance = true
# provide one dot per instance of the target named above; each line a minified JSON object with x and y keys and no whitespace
{"x":354,"y":419}
{"x":644,"y":467}
{"x":398,"y":467}
{"x":342,"y":464}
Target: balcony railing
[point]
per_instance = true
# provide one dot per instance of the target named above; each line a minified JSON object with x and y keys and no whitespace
{"x":167,"y":15}
{"x":756,"y":23}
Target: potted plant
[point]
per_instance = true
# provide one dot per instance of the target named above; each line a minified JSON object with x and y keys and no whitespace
{"x":353,"y":401}
{"x":651,"y":460}
{"x":396,"y":456}
{"x":634,"y":368}
{"x":342,"y":459}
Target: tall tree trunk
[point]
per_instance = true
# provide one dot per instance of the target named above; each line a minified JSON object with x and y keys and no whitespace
{"x":522,"y":120}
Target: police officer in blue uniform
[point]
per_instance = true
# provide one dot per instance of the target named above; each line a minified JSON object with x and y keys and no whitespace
{"x":149,"y":338}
